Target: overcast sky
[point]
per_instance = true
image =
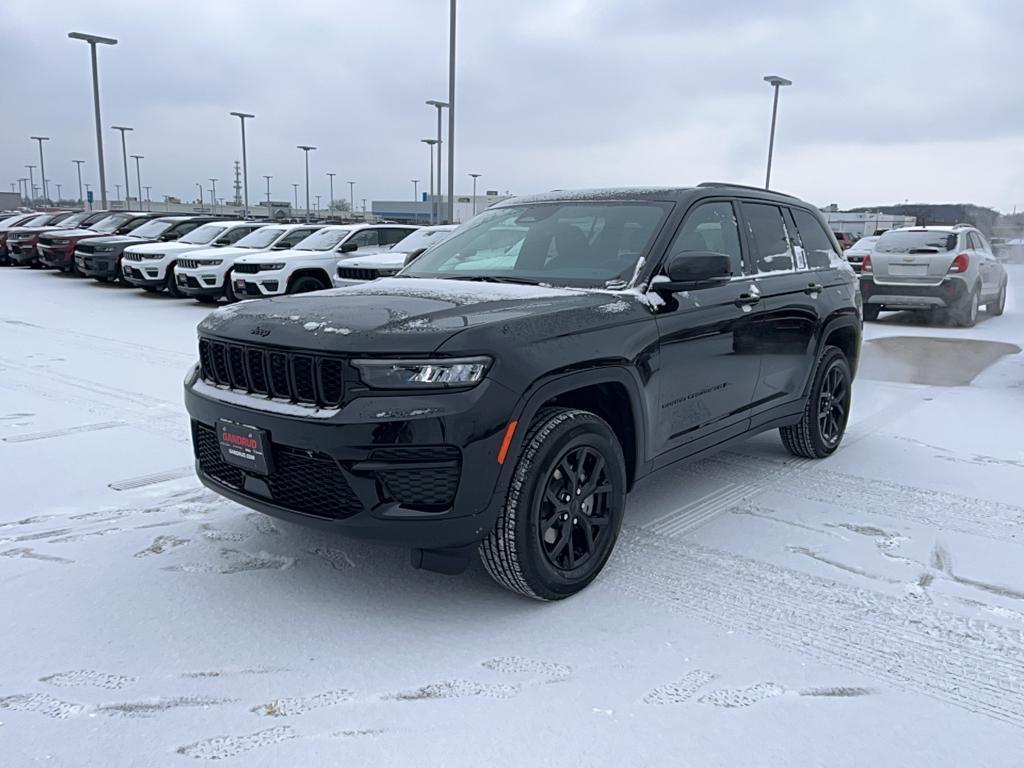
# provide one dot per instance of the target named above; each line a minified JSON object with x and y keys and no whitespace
{"x":909,"y":100}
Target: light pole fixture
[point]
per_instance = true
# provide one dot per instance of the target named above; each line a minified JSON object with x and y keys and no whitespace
{"x":42,"y":166}
{"x":213,"y":194}
{"x":245,"y":165}
{"x":776,"y":82}
{"x":138,"y":175}
{"x":451,"y":115}
{"x":475,"y":177}
{"x":31,"y":181}
{"x":330,"y":205}
{"x":307,"y":149}
{"x":430,"y":145}
{"x":352,"y":198}
{"x":124,"y":156}
{"x":78,"y":165}
{"x":93,"y":41}
{"x":415,"y":189}
{"x":440,"y":146}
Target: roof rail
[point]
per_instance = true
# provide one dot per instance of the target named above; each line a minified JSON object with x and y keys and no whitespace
{"x":743,"y":186}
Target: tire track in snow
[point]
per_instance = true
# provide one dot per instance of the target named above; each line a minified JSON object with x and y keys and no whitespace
{"x":909,"y":644}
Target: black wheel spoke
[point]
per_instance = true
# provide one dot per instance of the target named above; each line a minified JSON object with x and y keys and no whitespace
{"x":588,"y":535}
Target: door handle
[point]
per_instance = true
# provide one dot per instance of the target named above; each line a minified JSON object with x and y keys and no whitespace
{"x":812,"y":288}
{"x":747,"y":300}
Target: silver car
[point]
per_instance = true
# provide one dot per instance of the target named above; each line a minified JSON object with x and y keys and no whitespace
{"x":943,"y":270}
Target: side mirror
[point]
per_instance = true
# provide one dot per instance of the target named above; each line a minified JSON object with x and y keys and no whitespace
{"x":280,"y":246}
{"x":348,"y":247}
{"x":411,"y":256}
{"x":168,"y":237}
{"x":220,"y":243}
{"x":695,"y":269}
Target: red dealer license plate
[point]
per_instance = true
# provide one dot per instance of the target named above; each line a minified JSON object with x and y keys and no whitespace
{"x":244,"y":447}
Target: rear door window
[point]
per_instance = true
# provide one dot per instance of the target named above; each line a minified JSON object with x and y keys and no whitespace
{"x":392,"y":236}
{"x":234,"y":235}
{"x":367,"y":238}
{"x":817,"y":245}
{"x":773,"y":251}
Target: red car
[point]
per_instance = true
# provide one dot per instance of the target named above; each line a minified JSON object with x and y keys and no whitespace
{"x":6,"y":225}
{"x":57,"y":247}
{"x":21,"y":241}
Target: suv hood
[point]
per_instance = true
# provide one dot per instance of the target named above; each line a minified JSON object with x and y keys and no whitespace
{"x":375,"y":260}
{"x":117,"y":239}
{"x":260,"y":256}
{"x":227,"y":252}
{"x":411,"y":316}
{"x":77,"y":232}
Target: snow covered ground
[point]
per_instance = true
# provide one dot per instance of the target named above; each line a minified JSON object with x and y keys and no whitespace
{"x":760,"y":610}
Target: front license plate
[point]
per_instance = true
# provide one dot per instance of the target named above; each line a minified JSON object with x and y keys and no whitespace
{"x":244,"y":447}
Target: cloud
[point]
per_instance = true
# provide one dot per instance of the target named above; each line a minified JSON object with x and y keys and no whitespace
{"x":550,"y":94}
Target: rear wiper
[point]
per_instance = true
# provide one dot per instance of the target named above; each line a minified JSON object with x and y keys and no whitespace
{"x":493,"y":279}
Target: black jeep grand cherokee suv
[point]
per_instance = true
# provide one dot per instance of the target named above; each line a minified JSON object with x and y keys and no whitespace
{"x":510,"y":386}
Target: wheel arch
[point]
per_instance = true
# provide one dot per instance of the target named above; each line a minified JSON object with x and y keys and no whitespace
{"x":844,"y":332}
{"x":318,"y":272}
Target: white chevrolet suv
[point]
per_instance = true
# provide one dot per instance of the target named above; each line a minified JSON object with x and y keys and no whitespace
{"x":151,"y":266}
{"x":310,"y":265}
{"x":206,"y":275}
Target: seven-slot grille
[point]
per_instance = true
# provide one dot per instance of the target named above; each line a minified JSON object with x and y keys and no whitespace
{"x":248,"y":269}
{"x":357,"y":273}
{"x":188,"y":263}
{"x":86,"y":248}
{"x":295,"y":376}
{"x":132,"y":256}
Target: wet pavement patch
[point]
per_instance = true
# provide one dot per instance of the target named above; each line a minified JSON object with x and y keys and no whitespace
{"x":924,"y":360}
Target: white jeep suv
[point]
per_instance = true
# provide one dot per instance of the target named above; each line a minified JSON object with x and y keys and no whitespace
{"x":151,"y":266}
{"x":206,"y":275}
{"x":363,"y":267}
{"x":310,"y":265}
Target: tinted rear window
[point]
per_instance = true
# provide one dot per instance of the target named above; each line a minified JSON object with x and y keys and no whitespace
{"x":921,"y":240}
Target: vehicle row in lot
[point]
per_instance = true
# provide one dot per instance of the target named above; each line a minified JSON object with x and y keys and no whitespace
{"x":205,"y":257}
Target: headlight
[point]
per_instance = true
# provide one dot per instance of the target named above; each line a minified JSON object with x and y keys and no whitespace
{"x":59,"y":242}
{"x":388,"y":271}
{"x":104,"y":248}
{"x":268,"y":267}
{"x":209,"y":262}
{"x":152,"y":256}
{"x":423,"y":374}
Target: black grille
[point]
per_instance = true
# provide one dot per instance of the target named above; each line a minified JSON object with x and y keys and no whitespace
{"x":247,"y":269}
{"x":432,"y":484}
{"x":86,"y":248}
{"x":300,"y":378}
{"x":188,"y":263}
{"x":357,"y":273}
{"x":303,"y":481}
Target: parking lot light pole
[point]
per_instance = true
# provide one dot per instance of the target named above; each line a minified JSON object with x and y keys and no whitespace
{"x":124,"y":156}
{"x":148,"y":206}
{"x":117,"y":192}
{"x":42,"y":166}
{"x":78,"y":165}
{"x":31,"y":181}
{"x":138,"y":176}
{"x":415,"y":189}
{"x":451,"y":117}
{"x":433,"y":200}
{"x":475,"y":177}
{"x":93,"y":41}
{"x":245,"y":166}
{"x":352,"y":198}
{"x":199,"y":186}
{"x":330,"y":205}
{"x":58,"y":194}
{"x":268,"y":178}
{"x":295,"y":189}
{"x":213,"y":194}
{"x":306,"y":149}
{"x":776,"y":82}
{"x":440,"y":146}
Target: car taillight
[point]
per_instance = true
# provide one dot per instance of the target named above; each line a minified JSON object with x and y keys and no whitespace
{"x":866,"y":264}
{"x":960,"y":263}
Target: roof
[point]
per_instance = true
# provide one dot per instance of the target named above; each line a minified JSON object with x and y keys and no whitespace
{"x":933,"y":228}
{"x":654,"y":194}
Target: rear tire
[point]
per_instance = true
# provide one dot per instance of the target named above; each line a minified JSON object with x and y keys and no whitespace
{"x":229,"y":289}
{"x":171,"y":284}
{"x":823,"y":424}
{"x":997,"y":307}
{"x":966,"y":312}
{"x":550,"y":542}
{"x":305,"y":284}
{"x":871,"y":312}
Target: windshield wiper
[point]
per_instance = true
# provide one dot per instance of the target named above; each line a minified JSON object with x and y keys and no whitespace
{"x":493,"y":279}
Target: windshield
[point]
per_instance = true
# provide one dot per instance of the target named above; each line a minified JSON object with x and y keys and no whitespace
{"x":203,"y":234}
{"x":574,"y":244}
{"x":261,"y":238}
{"x":916,"y":240}
{"x":111,"y":223}
{"x":324,"y":240}
{"x":37,"y":221}
{"x":864,"y":244}
{"x":422,"y":238}
{"x":75,"y":219}
{"x":153,"y":228}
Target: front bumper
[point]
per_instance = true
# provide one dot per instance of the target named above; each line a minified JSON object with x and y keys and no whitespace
{"x":96,"y":265}
{"x":912,"y":296}
{"x":22,"y":253}
{"x":142,"y":275}
{"x":415,"y":470}
{"x":56,"y":256}
{"x":257,"y":286}
{"x":198,"y":283}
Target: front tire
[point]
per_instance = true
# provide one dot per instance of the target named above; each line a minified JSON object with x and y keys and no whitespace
{"x":563,"y":509}
{"x":171,"y":284}
{"x":305,"y":284}
{"x":229,"y":289}
{"x":823,"y":423}
{"x":997,"y":307}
